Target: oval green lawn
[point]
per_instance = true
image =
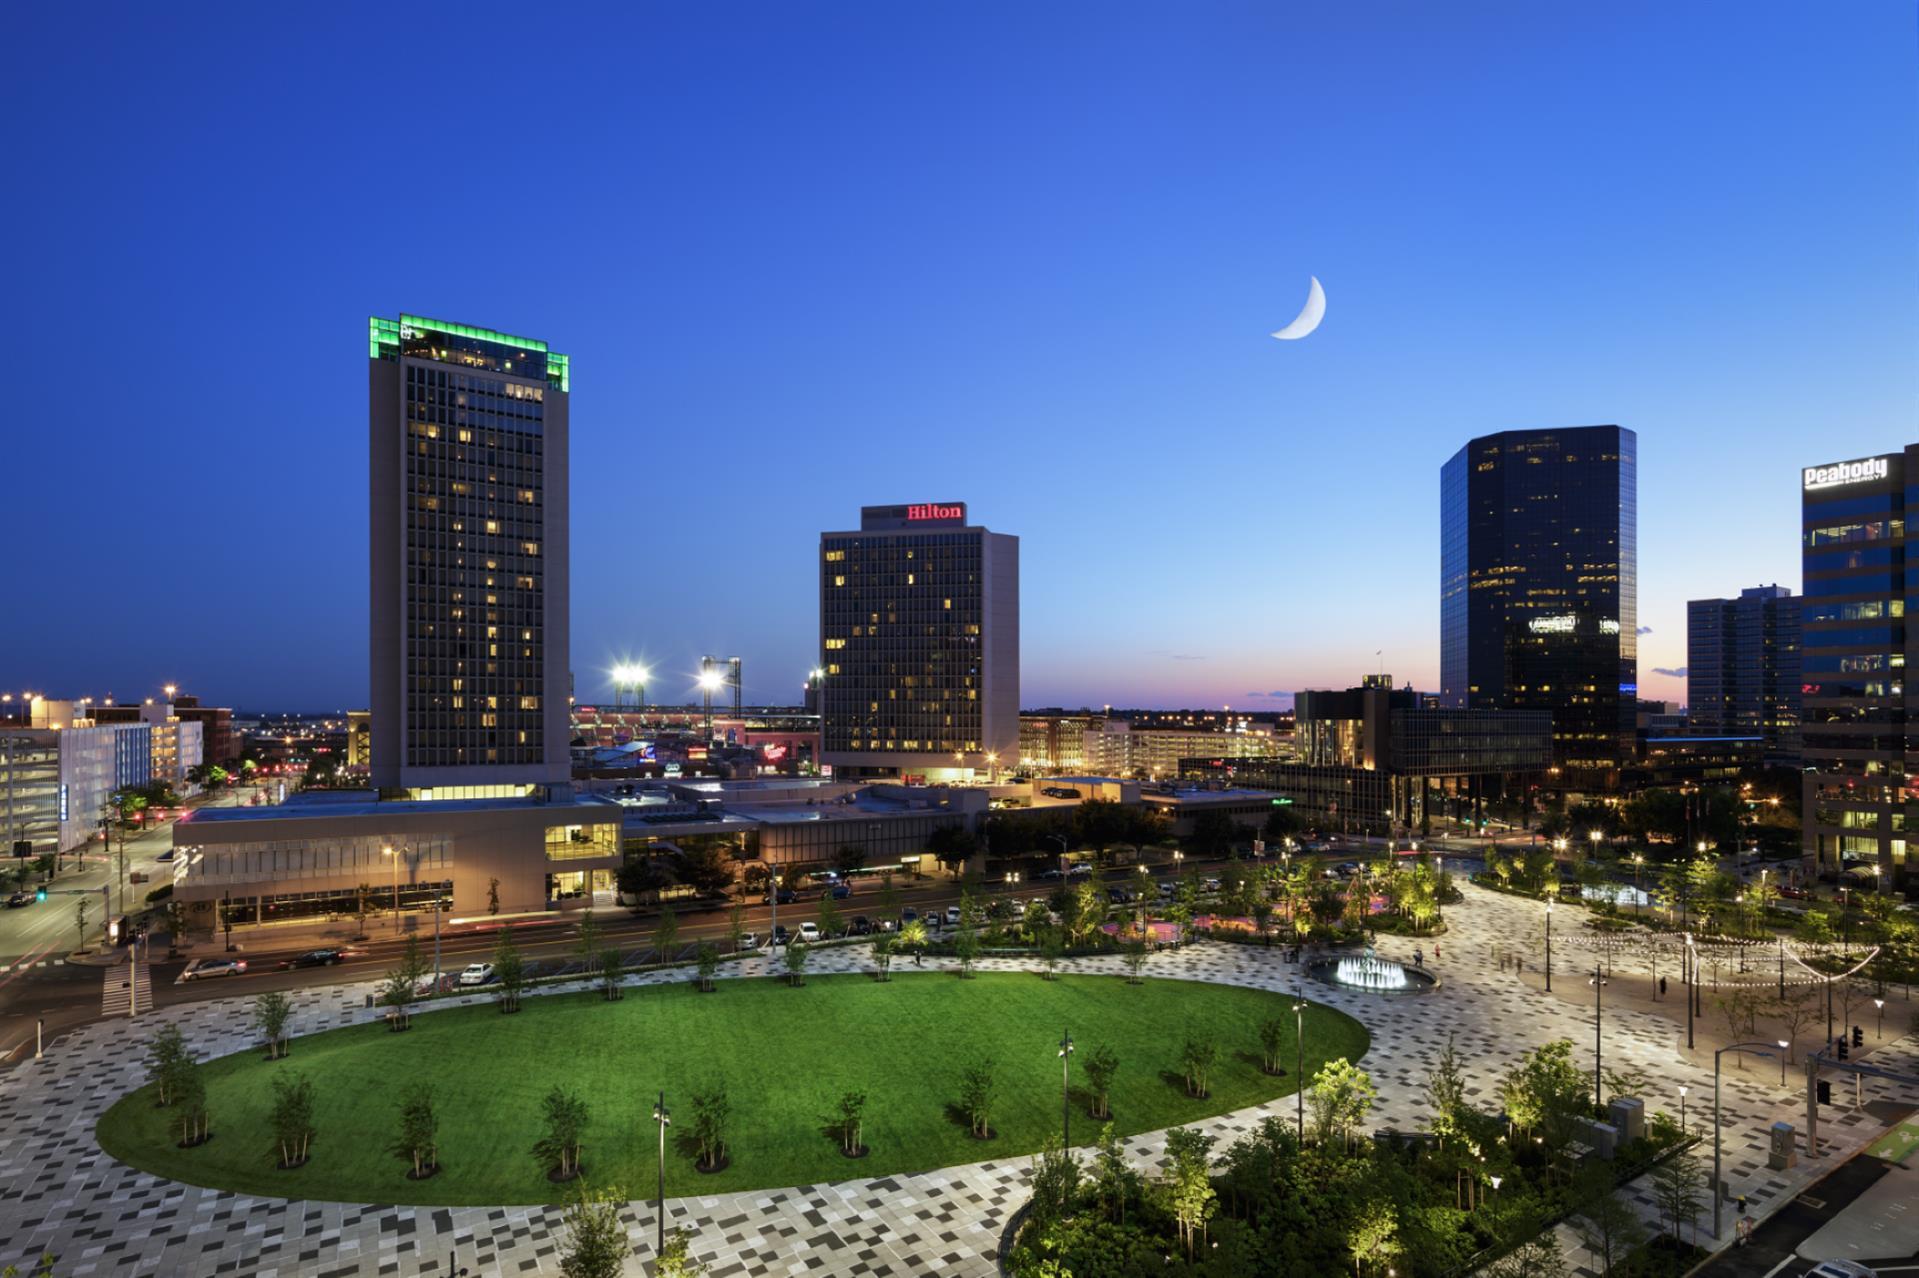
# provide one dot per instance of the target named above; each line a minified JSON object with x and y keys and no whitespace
{"x":786,"y":1055}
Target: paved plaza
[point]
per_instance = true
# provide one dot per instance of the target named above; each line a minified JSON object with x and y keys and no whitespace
{"x":60,"y":1193}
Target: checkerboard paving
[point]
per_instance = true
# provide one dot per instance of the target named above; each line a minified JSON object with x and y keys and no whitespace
{"x":60,"y":1193}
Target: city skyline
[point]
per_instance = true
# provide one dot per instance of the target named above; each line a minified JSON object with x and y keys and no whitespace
{"x":1081,"y":338}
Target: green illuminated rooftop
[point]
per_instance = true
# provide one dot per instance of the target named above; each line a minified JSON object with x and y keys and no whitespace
{"x":387,"y":338}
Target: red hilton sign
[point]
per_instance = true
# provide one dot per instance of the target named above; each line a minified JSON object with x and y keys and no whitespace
{"x":917,"y":514}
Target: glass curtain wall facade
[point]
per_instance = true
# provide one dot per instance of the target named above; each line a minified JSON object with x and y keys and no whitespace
{"x":1742,"y":667}
{"x":1854,"y":735}
{"x":469,"y":548}
{"x":1539,"y":587}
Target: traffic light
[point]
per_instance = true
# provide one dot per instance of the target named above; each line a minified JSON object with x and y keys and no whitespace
{"x":1842,"y":1047}
{"x":1858,"y":1036}
{"x":1825,"y":1092}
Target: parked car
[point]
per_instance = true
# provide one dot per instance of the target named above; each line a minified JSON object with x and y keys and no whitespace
{"x":1167,"y":887}
{"x":952,"y":916}
{"x":780,"y":936}
{"x":19,"y":899}
{"x":165,"y":856}
{"x":908,"y":914}
{"x":749,"y":941}
{"x":809,"y":932}
{"x":1050,"y":872}
{"x":786,"y":896}
{"x":200,"y":969}
{"x":1212,"y":885}
{"x":1079,"y":868}
{"x":476,"y":974}
{"x":841,"y":891}
{"x":862,"y":926}
{"x":1841,"y":1269}
{"x":312,"y":958}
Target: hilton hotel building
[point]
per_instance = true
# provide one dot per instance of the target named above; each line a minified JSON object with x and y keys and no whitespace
{"x":919,"y":639}
{"x":1858,"y":750}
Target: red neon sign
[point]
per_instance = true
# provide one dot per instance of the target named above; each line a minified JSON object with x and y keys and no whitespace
{"x":918,"y":513}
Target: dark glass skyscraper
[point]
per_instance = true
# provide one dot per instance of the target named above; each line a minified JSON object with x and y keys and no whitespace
{"x":1539,"y":586}
{"x":468,"y":442}
{"x":1856,"y":719}
{"x":1742,"y":669}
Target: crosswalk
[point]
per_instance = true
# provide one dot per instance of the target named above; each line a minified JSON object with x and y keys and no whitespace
{"x":118,"y":997}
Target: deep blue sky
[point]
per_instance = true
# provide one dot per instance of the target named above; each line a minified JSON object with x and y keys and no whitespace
{"x":810,"y":256}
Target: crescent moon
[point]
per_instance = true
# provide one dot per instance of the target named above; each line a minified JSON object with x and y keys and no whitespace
{"x":1309,"y":316}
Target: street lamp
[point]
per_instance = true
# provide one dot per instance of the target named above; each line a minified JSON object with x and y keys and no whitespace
{"x":1638,"y":859}
{"x":1682,"y":1109}
{"x":1598,"y":982}
{"x":1880,"y":1033}
{"x":1061,"y":840}
{"x":1785,"y":1049}
{"x":1065,"y":1076}
{"x":1549,"y":947}
{"x":665,"y":1120}
{"x":1689,"y":982}
{"x":387,"y":851}
{"x":1718,"y":1190}
{"x":1299,"y":1061}
{"x":992,"y":767}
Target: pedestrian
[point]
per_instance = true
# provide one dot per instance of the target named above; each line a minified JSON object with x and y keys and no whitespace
{"x":1419,"y":957}
{"x":1662,"y":987}
{"x":1435,"y":951}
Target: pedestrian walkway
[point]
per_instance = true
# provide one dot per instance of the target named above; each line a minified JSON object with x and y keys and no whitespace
{"x":118,"y":997}
{"x":59,"y":1192}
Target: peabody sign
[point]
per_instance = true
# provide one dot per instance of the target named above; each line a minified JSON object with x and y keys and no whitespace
{"x":1852,"y":472}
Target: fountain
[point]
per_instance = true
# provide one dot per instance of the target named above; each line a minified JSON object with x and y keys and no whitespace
{"x":1371,"y":973}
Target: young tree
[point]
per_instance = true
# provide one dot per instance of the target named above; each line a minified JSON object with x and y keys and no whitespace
{"x":292,"y":1118}
{"x":1678,"y":1185}
{"x":362,"y":906}
{"x":587,"y":945}
{"x":966,"y":950}
{"x":1188,"y":1184}
{"x":1608,"y":1228}
{"x":711,"y":1111}
{"x":1340,"y":1097}
{"x":676,"y":1259}
{"x":563,"y":1119}
{"x":889,"y":897}
{"x":1100,"y":1066}
{"x":1795,"y":1009}
{"x":736,"y":927}
{"x":829,"y":919}
{"x":596,"y":1245}
{"x":1052,"y":948}
{"x":707,"y":958}
{"x":977,"y":1088}
{"x":80,"y":922}
{"x":271,"y":1012}
{"x":417,"y":1140}
{"x":796,"y":954}
{"x":1056,"y":1177}
{"x":1545,"y":1093}
{"x":611,"y":968}
{"x":1134,"y":955}
{"x":666,"y":936}
{"x":1115,"y":1183}
{"x":883,"y":956}
{"x":952,"y":846}
{"x":165,"y":1053}
{"x":852,"y":1111}
{"x":1446,"y":1092}
{"x":848,"y":859}
{"x":1373,"y":1235}
{"x":1272,"y":1041}
{"x":493,"y":895}
{"x":402,"y":986}
{"x":510,"y":970}
{"x":1196,"y":1056}
{"x":189,"y":1089}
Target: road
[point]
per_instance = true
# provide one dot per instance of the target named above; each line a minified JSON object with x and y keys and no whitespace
{"x":57,"y":997}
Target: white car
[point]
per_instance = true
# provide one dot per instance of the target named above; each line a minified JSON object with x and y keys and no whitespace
{"x":1841,"y":1269}
{"x":952,"y":916}
{"x":200,"y":969}
{"x":749,"y":941}
{"x":476,"y":974}
{"x":809,"y":932}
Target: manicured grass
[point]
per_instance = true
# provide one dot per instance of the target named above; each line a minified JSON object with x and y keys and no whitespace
{"x":785,"y":1054}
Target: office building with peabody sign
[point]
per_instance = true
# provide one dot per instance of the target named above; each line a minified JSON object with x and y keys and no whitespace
{"x":1855,"y":729}
{"x":919,"y":644}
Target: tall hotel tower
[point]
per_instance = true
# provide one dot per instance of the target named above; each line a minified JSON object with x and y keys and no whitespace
{"x":1539,"y":587}
{"x":1856,"y":712}
{"x":468,"y":435}
{"x":919,"y":641}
